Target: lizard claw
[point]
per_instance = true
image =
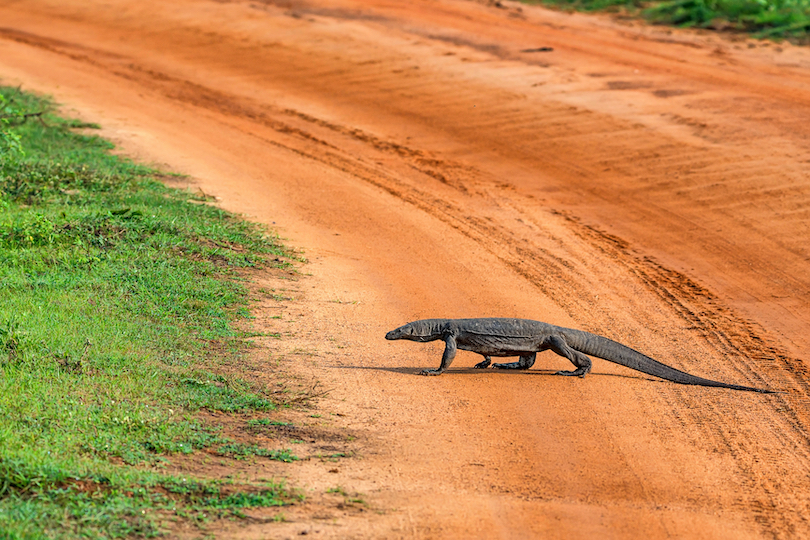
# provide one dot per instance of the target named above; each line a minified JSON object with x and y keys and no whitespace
{"x":430,"y":372}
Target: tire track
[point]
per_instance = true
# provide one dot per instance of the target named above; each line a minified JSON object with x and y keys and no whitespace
{"x":754,"y":359}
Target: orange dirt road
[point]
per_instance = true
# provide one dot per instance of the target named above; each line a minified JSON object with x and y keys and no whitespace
{"x":645,"y":184}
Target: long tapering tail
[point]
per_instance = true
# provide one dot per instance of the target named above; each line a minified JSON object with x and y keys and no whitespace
{"x":613,"y":351}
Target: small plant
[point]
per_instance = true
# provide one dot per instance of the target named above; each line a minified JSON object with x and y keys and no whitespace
{"x":11,"y":340}
{"x":267,"y":422}
{"x":10,"y":145}
{"x":213,"y":495}
{"x":27,"y":231}
{"x":259,"y":422}
{"x":69,"y":363}
{"x":331,"y":457}
{"x":347,"y":498}
{"x":241,"y":451}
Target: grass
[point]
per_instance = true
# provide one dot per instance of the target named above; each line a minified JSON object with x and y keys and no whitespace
{"x":45,"y":502}
{"x":268,"y":422}
{"x":117,"y":296}
{"x":773,"y":19}
{"x":242,"y":451}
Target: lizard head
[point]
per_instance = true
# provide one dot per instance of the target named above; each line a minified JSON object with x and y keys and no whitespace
{"x":424,"y":330}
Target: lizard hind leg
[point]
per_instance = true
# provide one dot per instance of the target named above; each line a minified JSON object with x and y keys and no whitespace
{"x":580,"y":361}
{"x":483,"y":365}
{"x":526,"y":361}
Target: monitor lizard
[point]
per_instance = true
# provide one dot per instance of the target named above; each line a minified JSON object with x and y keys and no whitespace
{"x":525,"y":338}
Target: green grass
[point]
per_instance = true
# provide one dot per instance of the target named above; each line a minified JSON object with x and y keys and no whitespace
{"x":242,"y":451}
{"x":268,"y":422}
{"x":777,"y":19}
{"x":46,"y":502}
{"x":118,"y":298}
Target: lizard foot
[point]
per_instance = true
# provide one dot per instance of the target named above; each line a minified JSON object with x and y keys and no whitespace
{"x":430,"y":372}
{"x":482,"y":365}
{"x":509,"y":365}
{"x":581,"y":372}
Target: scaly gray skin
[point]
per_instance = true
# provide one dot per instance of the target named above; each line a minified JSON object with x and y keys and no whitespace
{"x":524,"y":338}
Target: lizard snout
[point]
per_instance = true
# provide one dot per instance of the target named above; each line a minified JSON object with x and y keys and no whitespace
{"x":393,"y":334}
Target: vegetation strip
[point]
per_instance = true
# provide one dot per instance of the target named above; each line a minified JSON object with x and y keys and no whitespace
{"x":773,"y":19}
{"x":117,"y":302}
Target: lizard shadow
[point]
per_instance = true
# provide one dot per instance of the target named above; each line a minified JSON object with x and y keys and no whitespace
{"x":542,"y":372}
{"x":546,"y":373}
{"x":499,"y":372}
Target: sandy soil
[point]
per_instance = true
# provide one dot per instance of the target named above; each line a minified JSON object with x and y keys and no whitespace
{"x":646,"y":184}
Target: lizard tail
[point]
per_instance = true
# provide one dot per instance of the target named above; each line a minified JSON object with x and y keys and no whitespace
{"x":612,"y":351}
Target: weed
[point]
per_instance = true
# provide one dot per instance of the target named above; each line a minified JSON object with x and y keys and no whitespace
{"x":11,"y":340}
{"x":10,"y":145}
{"x":331,"y":457}
{"x":69,"y":363}
{"x":347,"y":497}
{"x":242,"y":451}
{"x":267,"y":422}
{"x":210,"y":495}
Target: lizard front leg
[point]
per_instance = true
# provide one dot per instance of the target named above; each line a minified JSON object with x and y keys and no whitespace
{"x":447,"y":357}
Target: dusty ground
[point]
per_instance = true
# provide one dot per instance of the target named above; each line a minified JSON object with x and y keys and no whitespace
{"x":646,"y":184}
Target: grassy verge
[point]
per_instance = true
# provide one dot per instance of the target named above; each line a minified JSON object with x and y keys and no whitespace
{"x":775,"y":19}
{"x":117,"y":294}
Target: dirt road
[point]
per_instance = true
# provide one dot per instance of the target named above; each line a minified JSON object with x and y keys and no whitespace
{"x":451,"y":158}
